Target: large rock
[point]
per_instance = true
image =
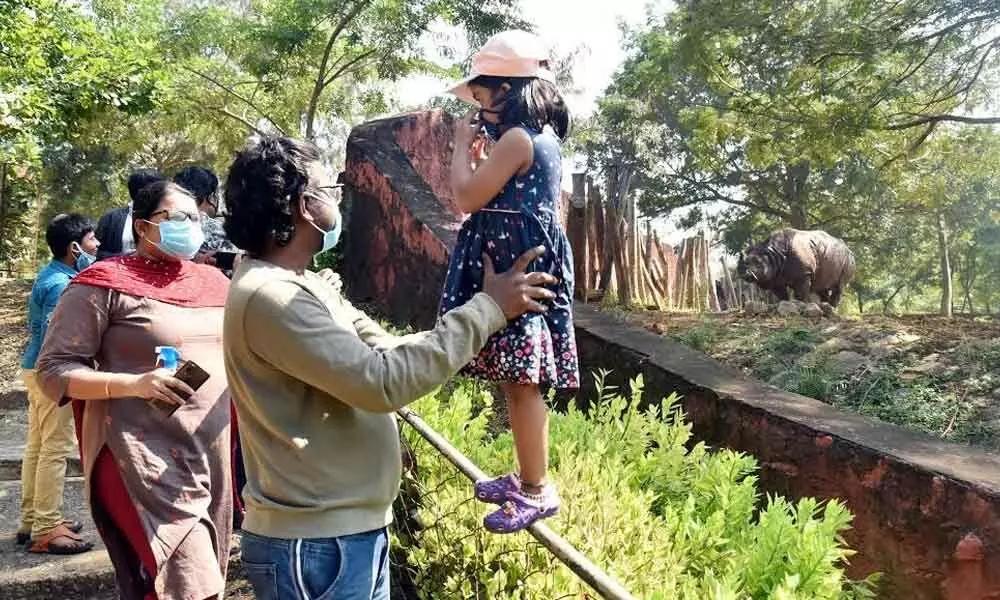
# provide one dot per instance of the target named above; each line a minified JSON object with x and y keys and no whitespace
{"x":834,"y":344}
{"x":847,"y":361}
{"x":813,"y":311}
{"x":928,"y":365}
{"x":788,"y":308}
{"x":402,"y":220}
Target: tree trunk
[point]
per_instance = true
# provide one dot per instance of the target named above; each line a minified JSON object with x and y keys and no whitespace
{"x":610,"y":226}
{"x":3,"y":211}
{"x":795,"y":193}
{"x":887,"y":303}
{"x":625,"y":297}
{"x":946,"y":290}
{"x":577,"y":232}
{"x":969,"y":278}
{"x":322,"y":79}
{"x":597,"y":256}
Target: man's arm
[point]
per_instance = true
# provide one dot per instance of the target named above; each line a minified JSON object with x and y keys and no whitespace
{"x":291,"y":329}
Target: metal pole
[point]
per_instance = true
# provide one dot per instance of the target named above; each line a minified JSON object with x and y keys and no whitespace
{"x":578,"y":563}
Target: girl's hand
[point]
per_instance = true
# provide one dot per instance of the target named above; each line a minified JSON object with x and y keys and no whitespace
{"x":466,"y":131}
{"x":515,"y":291}
{"x":157,"y":385}
{"x":478,"y":150}
{"x":333,"y":278}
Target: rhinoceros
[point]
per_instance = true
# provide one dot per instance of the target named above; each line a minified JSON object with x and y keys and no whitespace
{"x":814,"y":264}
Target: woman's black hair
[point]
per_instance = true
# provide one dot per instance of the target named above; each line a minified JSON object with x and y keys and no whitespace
{"x":264,"y":183}
{"x":530,"y":102}
{"x":149,"y":198}
{"x":140,"y":179}
{"x":201,"y":182}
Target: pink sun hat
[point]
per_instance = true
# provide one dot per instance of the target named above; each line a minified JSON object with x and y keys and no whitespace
{"x":512,"y":53}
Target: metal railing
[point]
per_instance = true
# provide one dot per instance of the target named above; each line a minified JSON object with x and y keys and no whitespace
{"x":587,"y":571}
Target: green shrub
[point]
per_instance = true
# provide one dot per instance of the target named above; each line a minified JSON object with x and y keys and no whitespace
{"x":701,"y":337}
{"x":790,"y":342}
{"x":815,"y":379}
{"x":665,"y":521}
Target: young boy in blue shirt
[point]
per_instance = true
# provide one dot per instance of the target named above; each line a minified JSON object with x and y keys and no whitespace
{"x":71,"y":239}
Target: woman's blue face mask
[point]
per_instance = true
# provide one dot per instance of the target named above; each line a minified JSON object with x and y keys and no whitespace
{"x":181,"y":239}
{"x":180,"y":234}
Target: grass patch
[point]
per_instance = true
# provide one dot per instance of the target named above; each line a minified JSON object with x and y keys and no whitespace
{"x":701,"y":337}
{"x":816,"y":380}
{"x":788,"y":343}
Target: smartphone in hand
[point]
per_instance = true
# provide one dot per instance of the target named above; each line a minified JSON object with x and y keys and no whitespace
{"x":225,"y":260}
{"x":191,"y":374}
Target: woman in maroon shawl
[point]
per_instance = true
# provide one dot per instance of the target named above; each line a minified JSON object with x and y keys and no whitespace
{"x":159,"y":486}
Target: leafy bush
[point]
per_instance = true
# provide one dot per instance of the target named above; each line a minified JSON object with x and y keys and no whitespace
{"x":790,"y":342}
{"x":816,"y":379}
{"x":666,"y":521}
{"x":700,"y":337}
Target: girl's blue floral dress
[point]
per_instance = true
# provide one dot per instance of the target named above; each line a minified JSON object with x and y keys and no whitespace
{"x":536,"y":348}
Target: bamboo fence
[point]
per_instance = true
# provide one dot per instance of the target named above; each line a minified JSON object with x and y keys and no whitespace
{"x":617,"y":258}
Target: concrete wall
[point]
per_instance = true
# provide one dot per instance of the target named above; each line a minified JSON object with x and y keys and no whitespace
{"x":927,"y":513}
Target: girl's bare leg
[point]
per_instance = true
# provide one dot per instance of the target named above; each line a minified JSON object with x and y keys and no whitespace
{"x":529,"y":422}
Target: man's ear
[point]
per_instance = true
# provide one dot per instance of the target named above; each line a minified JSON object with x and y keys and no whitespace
{"x":301,"y":206}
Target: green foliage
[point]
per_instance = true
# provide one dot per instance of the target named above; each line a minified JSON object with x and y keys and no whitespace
{"x":790,"y":342}
{"x":925,"y":405}
{"x":700,"y":337}
{"x":664,"y":520}
{"x":58,"y":67}
{"x":334,"y":259}
{"x":89,"y":91}
{"x":881,"y":392}
{"x":817,"y":380}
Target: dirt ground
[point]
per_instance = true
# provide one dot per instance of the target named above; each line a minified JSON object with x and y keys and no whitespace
{"x":13,"y":330}
{"x":927,"y":372}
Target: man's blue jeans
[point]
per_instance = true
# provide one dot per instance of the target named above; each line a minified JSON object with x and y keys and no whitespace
{"x":350,"y":567}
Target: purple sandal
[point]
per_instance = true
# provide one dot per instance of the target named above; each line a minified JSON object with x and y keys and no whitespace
{"x":495,"y":491}
{"x":520,"y":511}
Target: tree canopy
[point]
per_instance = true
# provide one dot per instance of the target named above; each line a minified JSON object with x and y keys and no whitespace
{"x":91,"y":90}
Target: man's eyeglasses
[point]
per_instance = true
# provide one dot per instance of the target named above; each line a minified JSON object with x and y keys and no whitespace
{"x":329,"y":193}
{"x":177,"y":215}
